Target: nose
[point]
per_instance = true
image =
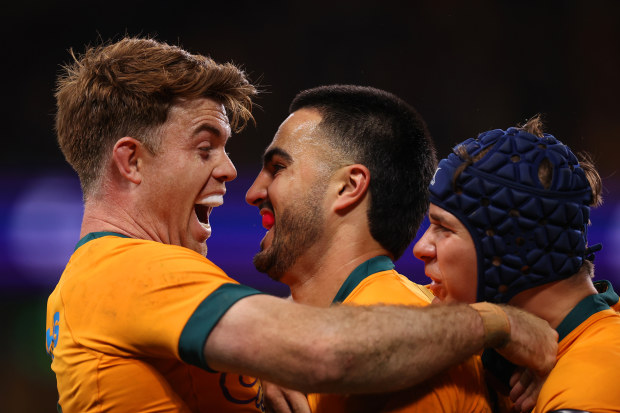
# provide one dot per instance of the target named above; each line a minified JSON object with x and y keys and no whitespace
{"x":424,"y":249}
{"x":226,"y":170}
{"x":258,"y":191}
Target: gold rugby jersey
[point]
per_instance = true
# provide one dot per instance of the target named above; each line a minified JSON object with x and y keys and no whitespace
{"x":126,"y":327}
{"x":461,"y":389}
{"x":587,"y":373}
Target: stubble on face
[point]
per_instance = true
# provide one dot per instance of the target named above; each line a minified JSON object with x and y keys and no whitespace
{"x":297,"y":229}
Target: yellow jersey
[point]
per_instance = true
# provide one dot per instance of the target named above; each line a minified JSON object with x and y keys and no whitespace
{"x":587,"y":373}
{"x":126,"y":328}
{"x":460,"y":389}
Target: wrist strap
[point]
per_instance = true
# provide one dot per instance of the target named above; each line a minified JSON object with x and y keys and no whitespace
{"x":495,"y":322}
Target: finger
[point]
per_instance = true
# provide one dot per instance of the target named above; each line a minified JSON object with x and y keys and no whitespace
{"x":278,"y":405}
{"x":520,"y":383}
{"x":275,"y":401}
{"x":517,"y":391}
{"x":528,"y":404}
{"x":516,"y":376}
{"x":527,"y":400}
{"x":297,"y":401}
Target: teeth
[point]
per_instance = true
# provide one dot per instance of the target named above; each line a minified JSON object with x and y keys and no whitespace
{"x":212,"y":200}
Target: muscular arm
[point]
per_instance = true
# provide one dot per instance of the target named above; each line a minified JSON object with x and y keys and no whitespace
{"x":346,"y":349}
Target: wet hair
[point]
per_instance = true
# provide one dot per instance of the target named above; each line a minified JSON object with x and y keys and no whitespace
{"x":379,"y":130}
{"x":127,"y":88}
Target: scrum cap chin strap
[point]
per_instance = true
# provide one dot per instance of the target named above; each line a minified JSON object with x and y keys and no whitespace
{"x":525,"y":235}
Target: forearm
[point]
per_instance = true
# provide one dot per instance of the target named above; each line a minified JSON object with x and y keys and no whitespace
{"x":390,"y":348}
{"x":343,"y":349}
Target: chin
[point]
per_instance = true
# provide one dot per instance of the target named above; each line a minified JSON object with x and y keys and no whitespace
{"x":198,"y":243}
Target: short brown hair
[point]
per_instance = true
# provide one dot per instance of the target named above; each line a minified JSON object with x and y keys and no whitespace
{"x":126,"y":88}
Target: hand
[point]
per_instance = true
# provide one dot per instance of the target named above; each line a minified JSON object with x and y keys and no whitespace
{"x":533,"y":343}
{"x":525,"y":387}
{"x":282,"y":400}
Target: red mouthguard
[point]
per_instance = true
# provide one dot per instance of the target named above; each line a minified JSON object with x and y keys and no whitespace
{"x":268,"y":220}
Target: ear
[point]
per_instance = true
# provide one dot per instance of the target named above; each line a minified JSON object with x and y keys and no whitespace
{"x":125,"y":156}
{"x":352,"y":183}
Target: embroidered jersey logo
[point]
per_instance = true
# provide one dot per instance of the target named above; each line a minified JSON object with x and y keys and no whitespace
{"x":239,"y":389}
{"x":51,"y":335}
{"x":434,"y":175}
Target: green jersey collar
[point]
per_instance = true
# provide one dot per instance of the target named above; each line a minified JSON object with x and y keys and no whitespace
{"x":587,"y":307}
{"x":94,"y":235}
{"x":372,"y":266}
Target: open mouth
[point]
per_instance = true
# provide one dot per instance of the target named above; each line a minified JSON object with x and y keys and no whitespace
{"x":203,"y":212}
{"x":204,"y":207}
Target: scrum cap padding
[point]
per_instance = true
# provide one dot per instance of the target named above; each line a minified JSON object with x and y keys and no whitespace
{"x":525,"y":235}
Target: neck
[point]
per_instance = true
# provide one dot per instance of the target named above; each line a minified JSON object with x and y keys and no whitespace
{"x":553,"y":301}
{"x":112,"y":217}
{"x":317,"y":276}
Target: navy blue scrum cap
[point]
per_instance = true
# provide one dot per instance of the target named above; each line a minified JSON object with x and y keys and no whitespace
{"x":525,"y":234}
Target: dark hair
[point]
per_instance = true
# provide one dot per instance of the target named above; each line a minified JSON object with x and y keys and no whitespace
{"x":381,"y":131}
{"x":127,"y":88}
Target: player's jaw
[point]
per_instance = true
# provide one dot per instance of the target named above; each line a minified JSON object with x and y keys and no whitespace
{"x":290,"y":235}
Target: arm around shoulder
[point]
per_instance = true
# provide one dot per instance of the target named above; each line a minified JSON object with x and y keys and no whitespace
{"x":343,"y":348}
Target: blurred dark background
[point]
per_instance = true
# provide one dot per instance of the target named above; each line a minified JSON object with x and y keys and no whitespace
{"x":466,"y":66}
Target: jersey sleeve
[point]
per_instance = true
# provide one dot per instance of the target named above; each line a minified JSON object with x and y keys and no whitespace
{"x":204,"y":318}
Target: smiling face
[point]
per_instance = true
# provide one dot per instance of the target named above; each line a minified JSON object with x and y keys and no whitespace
{"x":186,"y":178}
{"x":449,"y":256}
{"x":289,"y":192}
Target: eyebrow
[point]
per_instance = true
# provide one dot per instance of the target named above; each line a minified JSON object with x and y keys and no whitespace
{"x":436,"y":217}
{"x":268,"y":156}
{"x":209,"y":128}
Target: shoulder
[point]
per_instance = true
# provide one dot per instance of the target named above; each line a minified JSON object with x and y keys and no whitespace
{"x":600,"y":330}
{"x":106,"y":261}
{"x":144,"y":251}
{"x":587,"y":368}
{"x":388,"y":287}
